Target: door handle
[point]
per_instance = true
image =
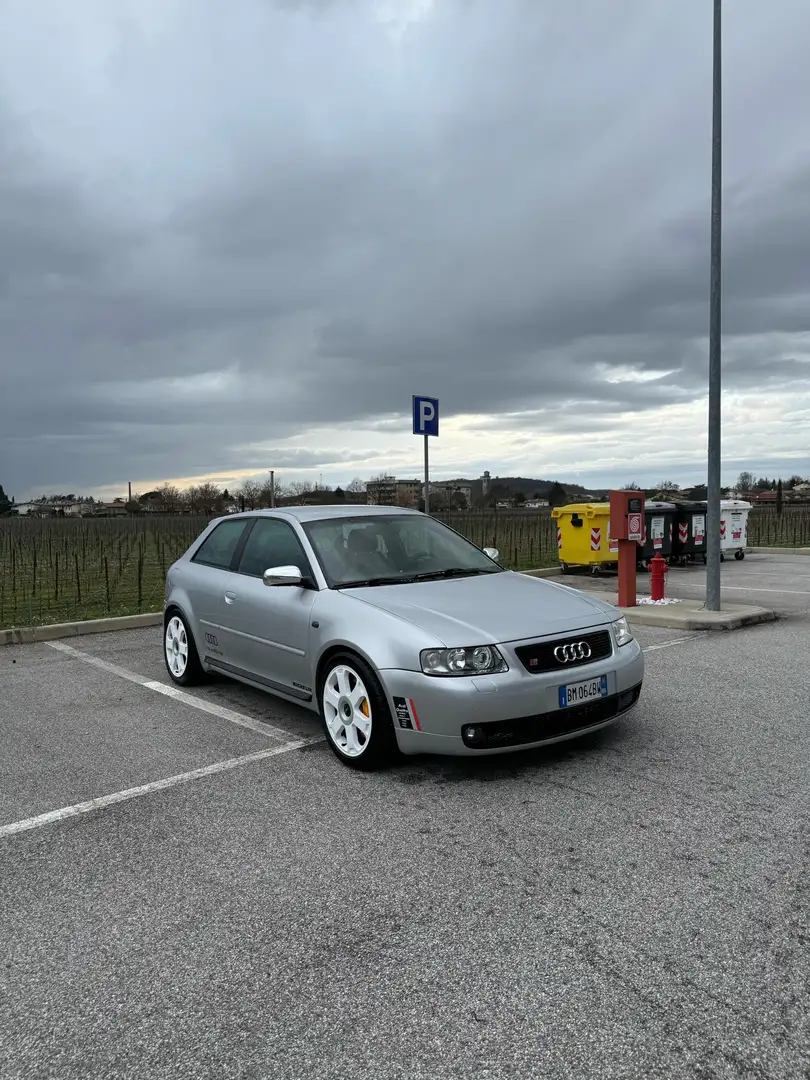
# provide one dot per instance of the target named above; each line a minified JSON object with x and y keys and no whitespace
{"x":230,"y":597}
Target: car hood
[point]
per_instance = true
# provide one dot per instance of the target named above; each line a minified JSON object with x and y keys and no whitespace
{"x":488,"y":609}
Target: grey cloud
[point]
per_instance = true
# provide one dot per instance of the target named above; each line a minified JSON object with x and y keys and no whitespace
{"x":503,"y":210}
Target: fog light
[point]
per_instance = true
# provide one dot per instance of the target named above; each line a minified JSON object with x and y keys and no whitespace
{"x":473,"y":734}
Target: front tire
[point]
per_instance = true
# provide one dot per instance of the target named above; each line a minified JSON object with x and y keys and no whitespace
{"x":739,"y":555}
{"x":179,"y":651}
{"x":356,"y":715}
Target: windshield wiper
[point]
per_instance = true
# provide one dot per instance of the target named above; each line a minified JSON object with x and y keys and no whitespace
{"x":371,"y":582}
{"x":451,"y":572}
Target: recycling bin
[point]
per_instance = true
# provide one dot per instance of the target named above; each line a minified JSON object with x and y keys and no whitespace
{"x":689,"y":537}
{"x":583,"y":536}
{"x":659,"y":523}
{"x":734,"y":527}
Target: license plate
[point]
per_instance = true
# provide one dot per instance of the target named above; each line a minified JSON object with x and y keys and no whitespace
{"x":579,"y":692}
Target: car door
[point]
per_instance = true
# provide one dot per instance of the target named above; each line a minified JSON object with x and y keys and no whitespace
{"x":269,"y":627}
{"x":205,"y":582}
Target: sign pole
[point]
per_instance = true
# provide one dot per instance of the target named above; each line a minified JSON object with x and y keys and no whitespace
{"x":427,"y":478}
{"x":426,"y":424}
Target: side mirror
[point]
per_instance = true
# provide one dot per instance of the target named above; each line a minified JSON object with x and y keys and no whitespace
{"x":493,"y":553}
{"x":282,"y":575}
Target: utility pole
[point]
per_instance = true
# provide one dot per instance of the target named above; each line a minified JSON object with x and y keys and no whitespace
{"x":715,"y":328}
{"x":272,"y":487}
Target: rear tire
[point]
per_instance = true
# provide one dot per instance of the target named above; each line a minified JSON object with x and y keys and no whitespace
{"x":356,"y":715}
{"x":739,"y":555}
{"x":179,"y":651}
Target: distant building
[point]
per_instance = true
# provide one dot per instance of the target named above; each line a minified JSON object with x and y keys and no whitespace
{"x":116,"y":508}
{"x":389,"y":491}
{"x":485,"y":484}
{"x":409,"y":492}
{"x":453,"y":493}
{"x":382,"y":491}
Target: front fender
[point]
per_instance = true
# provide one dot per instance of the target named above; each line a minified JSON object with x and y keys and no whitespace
{"x":382,"y":639}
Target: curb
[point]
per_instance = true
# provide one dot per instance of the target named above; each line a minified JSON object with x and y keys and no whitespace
{"x":719,"y":621}
{"x":779,"y":550}
{"x":29,"y":635}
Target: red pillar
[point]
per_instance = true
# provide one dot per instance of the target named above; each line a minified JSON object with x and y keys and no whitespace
{"x":628,"y":551}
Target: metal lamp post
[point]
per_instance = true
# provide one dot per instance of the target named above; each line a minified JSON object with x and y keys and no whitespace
{"x":715,"y":331}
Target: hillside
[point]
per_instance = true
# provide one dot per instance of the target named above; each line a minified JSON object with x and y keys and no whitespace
{"x":526,"y":486}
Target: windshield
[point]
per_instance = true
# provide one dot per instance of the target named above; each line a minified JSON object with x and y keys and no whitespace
{"x":391,"y":548}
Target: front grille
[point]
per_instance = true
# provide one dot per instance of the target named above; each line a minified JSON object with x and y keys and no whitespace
{"x":551,"y":725}
{"x":539,"y":657}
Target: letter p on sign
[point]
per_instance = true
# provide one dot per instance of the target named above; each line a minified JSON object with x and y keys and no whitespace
{"x":425,"y":416}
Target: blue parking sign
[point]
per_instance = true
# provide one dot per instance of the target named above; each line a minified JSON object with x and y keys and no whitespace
{"x":425,"y":416}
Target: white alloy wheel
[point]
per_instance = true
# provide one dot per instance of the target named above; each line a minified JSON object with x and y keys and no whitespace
{"x":347,"y":710}
{"x":176,"y":647}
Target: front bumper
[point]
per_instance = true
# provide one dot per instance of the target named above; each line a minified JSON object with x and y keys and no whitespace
{"x":513,"y":710}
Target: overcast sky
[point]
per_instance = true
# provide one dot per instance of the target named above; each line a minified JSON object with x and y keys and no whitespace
{"x":236,"y":237}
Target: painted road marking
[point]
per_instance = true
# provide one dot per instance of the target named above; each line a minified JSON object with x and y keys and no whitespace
{"x":174,"y":692}
{"x":740,"y":588}
{"x":668,"y":644}
{"x":78,"y":809}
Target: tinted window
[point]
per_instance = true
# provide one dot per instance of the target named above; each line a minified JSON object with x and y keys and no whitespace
{"x":272,"y":542}
{"x":219,"y":546}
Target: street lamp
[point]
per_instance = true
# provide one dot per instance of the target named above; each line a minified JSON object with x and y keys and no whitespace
{"x":715,"y":331}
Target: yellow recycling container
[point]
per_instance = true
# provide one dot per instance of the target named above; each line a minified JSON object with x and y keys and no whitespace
{"x":583,"y":535}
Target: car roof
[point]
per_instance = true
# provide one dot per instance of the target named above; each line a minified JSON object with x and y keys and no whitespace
{"x":329,"y":511}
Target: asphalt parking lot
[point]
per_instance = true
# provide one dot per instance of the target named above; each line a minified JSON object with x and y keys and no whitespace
{"x":635,"y":904}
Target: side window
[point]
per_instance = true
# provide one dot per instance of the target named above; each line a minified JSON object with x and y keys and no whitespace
{"x":272,"y":543}
{"x":219,"y":546}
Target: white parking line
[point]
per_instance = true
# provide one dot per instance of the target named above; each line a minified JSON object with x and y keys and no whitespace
{"x":173,"y":692}
{"x":668,"y":644}
{"x":77,"y":809}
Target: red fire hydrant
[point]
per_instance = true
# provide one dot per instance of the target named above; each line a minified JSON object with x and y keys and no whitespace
{"x":658,"y":567}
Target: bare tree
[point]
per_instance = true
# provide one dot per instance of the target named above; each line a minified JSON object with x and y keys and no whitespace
{"x":169,"y":498}
{"x":296,"y":489}
{"x":382,"y":490}
{"x":356,"y":486}
{"x":191,"y":497}
{"x":250,"y":493}
{"x":209,"y":498}
{"x":745,"y":481}
{"x":668,"y":485}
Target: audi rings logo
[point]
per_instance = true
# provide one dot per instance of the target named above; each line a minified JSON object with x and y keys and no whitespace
{"x":575,"y":650}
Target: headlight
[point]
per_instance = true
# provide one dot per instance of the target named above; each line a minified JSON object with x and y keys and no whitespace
{"x":477,"y":660}
{"x":622,"y":632}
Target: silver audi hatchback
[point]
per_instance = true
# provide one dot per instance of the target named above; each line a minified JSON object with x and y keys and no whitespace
{"x":401,"y":634}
